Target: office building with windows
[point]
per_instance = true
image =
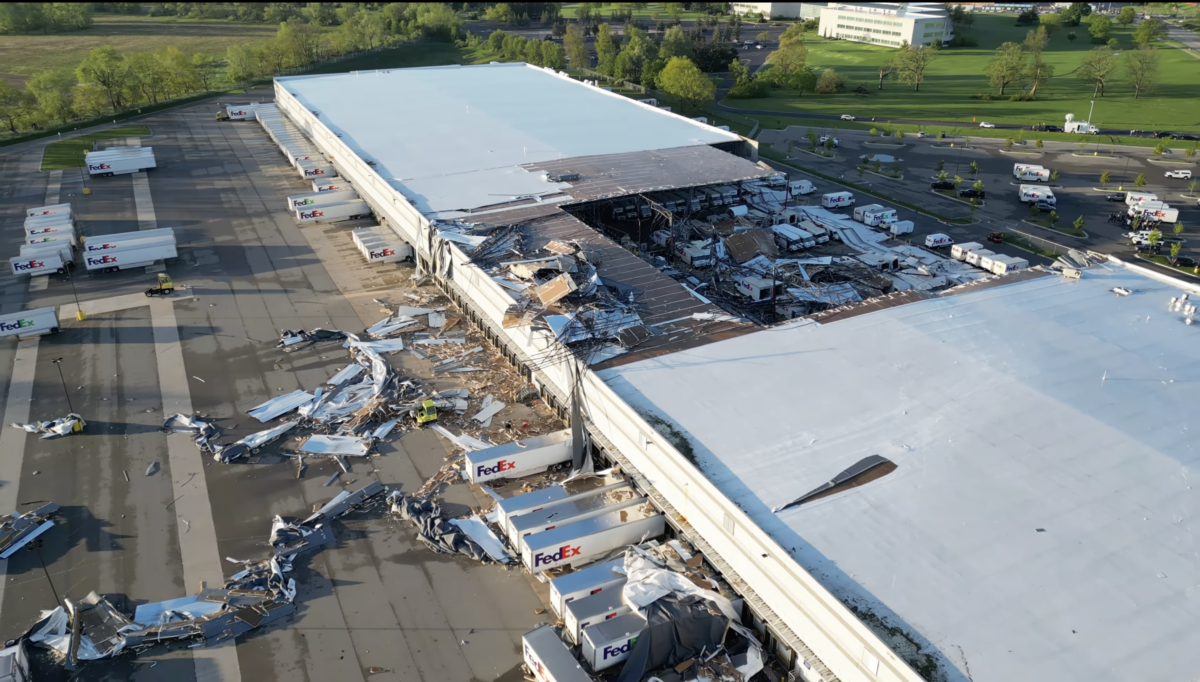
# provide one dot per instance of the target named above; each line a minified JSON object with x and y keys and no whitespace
{"x":890,"y":24}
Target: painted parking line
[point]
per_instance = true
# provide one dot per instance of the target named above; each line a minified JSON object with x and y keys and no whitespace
{"x":145,"y":205}
{"x":12,"y":441}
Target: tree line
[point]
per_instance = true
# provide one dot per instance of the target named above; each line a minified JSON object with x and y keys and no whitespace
{"x":109,"y":81}
{"x":44,"y":17}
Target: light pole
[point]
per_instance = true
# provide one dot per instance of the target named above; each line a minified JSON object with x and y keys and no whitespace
{"x":58,"y":363}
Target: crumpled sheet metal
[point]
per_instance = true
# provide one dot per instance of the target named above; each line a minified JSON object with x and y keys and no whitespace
{"x":202,"y":431}
{"x":296,"y":339}
{"x":352,"y":446}
{"x":72,"y":423}
{"x":433,"y":529}
{"x":227,"y":453}
{"x":390,"y":325}
{"x":280,"y":405}
{"x":18,"y":530}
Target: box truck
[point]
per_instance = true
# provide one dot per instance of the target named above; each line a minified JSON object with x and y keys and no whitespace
{"x":509,"y":507}
{"x":517,"y":459}
{"x":1002,"y":265}
{"x":974,"y":256}
{"x":346,"y":210}
{"x":581,"y":541}
{"x":880,"y":216}
{"x":29,"y":323}
{"x":1019,"y":168}
{"x":860,"y":212}
{"x":48,"y":210}
{"x":960,"y":251}
{"x":1132,"y":198}
{"x":122,"y":259}
{"x":594,"y":579}
{"x":938,"y":240}
{"x":568,"y":511}
{"x":1164,"y":214}
{"x":1031,"y":194}
{"x":609,"y":643}
{"x":837,"y":200}
{"x":800,"y":187}
{"x":108,"y":242}
{"x":1034,"y":175}
{"x":548,"y":659}
{"x":900,"y":227}
{"x":45,"y":263}
{"x":299,"y":201}
{"x":582,"y":613}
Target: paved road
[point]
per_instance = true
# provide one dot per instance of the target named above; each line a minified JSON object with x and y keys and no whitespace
{"x":377,"y":599}
{"x":1188,"y":38}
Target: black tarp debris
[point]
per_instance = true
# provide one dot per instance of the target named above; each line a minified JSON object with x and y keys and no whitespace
{"x":432,"y":528}
{"x":295,"y":339}
{"x":72,"y":423}
{"x":678,"y":628}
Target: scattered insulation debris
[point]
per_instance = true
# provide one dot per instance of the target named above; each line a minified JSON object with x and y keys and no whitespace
{"x":63,"y":426}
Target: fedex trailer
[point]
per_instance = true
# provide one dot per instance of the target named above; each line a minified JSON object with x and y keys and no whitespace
{"x":860,"y":212}
{"x":299,"y":201}
{"x":52,"y":237}
{"x":511,"y":507}
{"x":316,"y":169}
{"x":109,"y":242}
{"x":960,"y":251}
{"x":29,"y":323}
{"x":976,"y":256}
{"x":1002,"y":265}
{"x":609,"y":643}
{"x":95,"y":246}
{"x":48,"y":210}
{"x":519,"y":458}
{"x":44,"y":220}
{"x":120,"y":165}
{"x":346,"y":210}
{"x":331,"y":185}
{"x":60,"y":228}
{"x":63,"y":251}
{"x":37,"y":264}
{"x":588,"y":611}
{"x":123,"y":259}
{"x":900,"y":227}
{"x":986,"y":262}
{"x":594,"y":579}
{"x":579,"y":542}
{"x":381,"y":245}
{"x":244,"y":112}
{"x":568,"y":511}
{"x":548,"y":659}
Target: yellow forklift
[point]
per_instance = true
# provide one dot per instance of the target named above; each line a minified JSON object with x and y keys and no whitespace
{"x":165,"y":287}
{"x":427,"y":413}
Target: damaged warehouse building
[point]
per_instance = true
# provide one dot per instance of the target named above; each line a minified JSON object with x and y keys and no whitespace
{"x":687,"y":308}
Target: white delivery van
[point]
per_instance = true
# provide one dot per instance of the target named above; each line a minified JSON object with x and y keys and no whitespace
{"x":109,"y":242}
{"x":1002,"y":265}
{"x":1034,"y":175}
{"x":938,"y":240}
{"x":582,"y":541}
{"x":974,"y":257}
{"x":346,"y":210}
{"x":860,"y":212}
{"x":585,"y":582}
{"x":790,"y":238}
{"x":48,"y":210}
{"x":45,"y":263}
{"x":548,"y":659}
{"x":299,"y":201}
{"x":122,"y":259}
{"x":880,"y":216}
{"x":960,"y":251}
{"x":609,"y":643}
{"x":900,"y":227}
{"x":1031,"y":194}
{"x":29,"y":323}
{"x":517,"y":459}
{"x":1132,"y":198}
{"x":1019,"y":168}
{"x":801,"y":187}
{"x":837,"y":200}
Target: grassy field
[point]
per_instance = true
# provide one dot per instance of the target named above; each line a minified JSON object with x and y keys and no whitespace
{"x":958,"y":74}
{"x":69,"y":153}
{"x":23,"y":55}
{"x":404,"y":56}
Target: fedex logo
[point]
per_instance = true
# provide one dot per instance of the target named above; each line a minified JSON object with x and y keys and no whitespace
{"x":391,"y":252}
{"x":304,"y":215}
{"x":564,"y":552}
{"x":315,"y":171}
{"x":330,"y":188}
{"x":303,"y":202}
{"x":100,"y":247}
{"x":102,"y":260}
{"x":535,"y":665}
{"x":101,"y":166}
{"x":612,"y":651}
{"x":13,"y":326}
{"x":42,"y":213}
{"x":31,"y":265}
{"x":237,"y":113}
{"x":483,"y":469}
{"x":44,"y":230}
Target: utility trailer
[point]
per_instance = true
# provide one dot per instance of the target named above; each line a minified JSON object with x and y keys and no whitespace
{"x":123,"y":259}
{"x":582,"y":541}
{"x":568,"y":511}
{"x":48,"y":210}
{"x":302,"y":201}
{"x":37,"y":264}
{"x":609,"y":643}
{"x":109,"y":162}
{"x":548,"y":659}
{"x":118,"y":240}
{"x":29,"y":323}
{"x":517,"y":459}
{"x":345,"y":210}
{"x":585,"y":582}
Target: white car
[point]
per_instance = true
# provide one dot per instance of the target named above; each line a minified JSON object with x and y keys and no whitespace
{"x":1181,"y":174}
{"x":847,"y":117}
{"x":985,"y":124}
{"x":824,"y":138}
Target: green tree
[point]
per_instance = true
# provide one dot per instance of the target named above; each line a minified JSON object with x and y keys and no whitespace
{"x":1099,"y":27}
{"x":241,"y":64}
{"x":900,"y":136}
{"x":495,"y":41}
{"x":1148,"y":31}
{"x":1126,"y":16}
{"x":675,"y":43}
{"x":633,"y":57}
{"x":1034,"y":211}
{"x":942,"y":176}
{"x":1141,"y":68}
{"x":298,"y":42}
{"x":1008,"y":142}
{"x":1154,"y":237}
{"x":763,"y":37}
{"x":533,"y":52}
{"x":107,"y":69}
{"x":1079,"y":223}
{"x":1038,"y":143}
{"x":147,"y":77}
{"x":812,"y":137}
{"x":974,"y":167}
{"x":320,"y":13}
{"x":886,"y":69}
{"x":552,"y":55}
{"x":941,"y":164}
{"x":1052,"y":217}
{"x":1113,"y":44}
{"x":606,"y":49}
{"x":830,"y":82}
{"x":12,"y":101}
{"x":912,"y":63}
{"x":978,"y":186}
{"x":1140,"y":180}
{"x":1192,"y":186}
{"x":51,"y":90}
{"x":1053,"y":175}
{"x":681,"y":79}
{"x":1006,"y":67}
{"x":787,"y":60}
{"x":1097,"y":68}
{"x":205,"y":67}
{"x":1175,"y":249}
{"x":675,"y":9}
{"x":873,"y":132}
{"x":957,"y":181}
{"x":575,"y":45}
{"x":1177,"y":228}
{"x":1105,"y":178}
{"x":829,"y":143}
{"x":1039,"y":70}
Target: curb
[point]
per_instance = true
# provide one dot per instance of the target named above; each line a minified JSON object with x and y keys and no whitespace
{"x":1172,"y":162}
{"x":1096,"y":156}
{"x":1043,"y":227}
{"x":835,"y":157}
{"x":1021,"y":151}
{"x":981,"y":204}
{"x":1173,"y":271}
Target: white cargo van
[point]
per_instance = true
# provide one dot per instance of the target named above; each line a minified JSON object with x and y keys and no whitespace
{"x":1031,"y":194}
{"x":29,"y":323}
{"x":837,"y":200}
{"x":801,"y":187}
{"x":1132,"y":198}
{"x":938,"y":240}
{"x":860,"y":212}
{"x":1034,"y":175}
{"x":1019,"y":168}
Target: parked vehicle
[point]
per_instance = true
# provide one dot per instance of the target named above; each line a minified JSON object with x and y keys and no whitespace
{"x":1149,"y":248}
{"x":847,"y":117}
{"x":126,"y":240}
{"x":133,"y":257}
{"x":1038,"y":174}
{"x":29,"y":323}
{"x":1003,"y":265}
{"x":836,"y":142}
{"x":244,"y":112}
{"x":1183,"y":262}
{"x":792,"y":238}
{"x":120,"y":162}
{"x":985,"y":124}
{"x":1132,"y":198}
{"x":1115,"y":196}
{"x":971,"y":193}
{"x":921,"y":134}
{"x":1178,"y":174}
{"x":48,"y":210}
{"x":48,"y":262}
{"x":311,"y":199}
{"x":837,"y":200}
{"x":1044,"y":205}
{"x":860,"y":212}
{"x":942,"y":184}
{"x":1019,"y":168}
{"x":938,"y":240}
{"x":880,"y":217}
{"x":1073,"y":126}
{"x":960,"y":251}
{"x":1031,"y":194}
{"x":801,"y":187}
{"x":900,"y":227}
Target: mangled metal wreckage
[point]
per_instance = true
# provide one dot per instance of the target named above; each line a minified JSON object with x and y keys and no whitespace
{"x":258,"y":595}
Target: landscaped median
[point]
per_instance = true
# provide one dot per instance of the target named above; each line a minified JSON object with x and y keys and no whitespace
{"x":1044,"y":223}
{"x":1164,"y":262}
{"x":69,"y":153}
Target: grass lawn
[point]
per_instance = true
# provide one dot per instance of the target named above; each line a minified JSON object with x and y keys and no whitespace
{"x":23,"y":55}
{"x":958,"y":74}
{"x":403,"y":56}
{"x":1023,"y":243}
{"x":1165,"y":262}
{"x":69,"y":153}
{"x":1065,"y":229}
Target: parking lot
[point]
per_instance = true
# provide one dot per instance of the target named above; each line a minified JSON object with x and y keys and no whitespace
{"x":134,"y":521}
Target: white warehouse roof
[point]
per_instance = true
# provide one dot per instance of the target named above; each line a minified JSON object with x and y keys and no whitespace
{"x":453,"y":138}
{"x":1043,"y":518}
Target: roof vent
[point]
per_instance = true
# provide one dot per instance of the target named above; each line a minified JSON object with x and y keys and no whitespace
{"x":863,"y":471}
{"x":562,"y":177}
